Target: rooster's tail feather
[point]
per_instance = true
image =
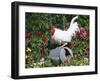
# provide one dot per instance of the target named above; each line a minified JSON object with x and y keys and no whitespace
{"x":72,"y":21}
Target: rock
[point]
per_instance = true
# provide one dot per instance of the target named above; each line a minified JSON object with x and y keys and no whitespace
{"x":55,"y":56}
{"x":60,"y":55}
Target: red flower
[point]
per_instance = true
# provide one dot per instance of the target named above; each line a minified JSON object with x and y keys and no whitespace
{"x":79,"y":35}
{"x":28,"y":36}
{"x":38,"y":34}
{"x":28,"y":46}
{"x":70,"y":45}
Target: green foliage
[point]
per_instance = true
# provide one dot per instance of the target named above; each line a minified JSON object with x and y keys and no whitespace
{"x":84,"y":21}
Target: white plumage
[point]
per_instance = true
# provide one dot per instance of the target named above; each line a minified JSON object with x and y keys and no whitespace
{"x":66,"y":35}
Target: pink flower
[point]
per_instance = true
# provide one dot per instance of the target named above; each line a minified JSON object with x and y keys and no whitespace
{"x":83,"y":33}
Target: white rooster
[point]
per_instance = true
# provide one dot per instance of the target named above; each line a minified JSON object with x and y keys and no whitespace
{"x":65,"y":36}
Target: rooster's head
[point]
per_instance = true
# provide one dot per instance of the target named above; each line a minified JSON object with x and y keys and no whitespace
{"x":52,"y":30}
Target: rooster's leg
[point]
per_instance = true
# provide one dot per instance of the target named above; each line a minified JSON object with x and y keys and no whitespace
{"x":64,"y":45}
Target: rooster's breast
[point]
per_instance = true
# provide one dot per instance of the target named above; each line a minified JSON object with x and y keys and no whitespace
{"x":62,"y":36}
